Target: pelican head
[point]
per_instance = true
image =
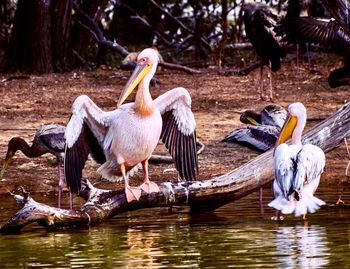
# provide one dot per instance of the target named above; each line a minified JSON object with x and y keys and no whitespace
{"x":145,"y":69}
{"x":296,"y":117}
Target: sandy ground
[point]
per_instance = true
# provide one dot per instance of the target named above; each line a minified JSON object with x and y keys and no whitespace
{"x":217,"y":103}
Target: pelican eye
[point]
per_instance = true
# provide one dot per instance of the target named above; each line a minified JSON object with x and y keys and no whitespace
{"x":143,"y":61}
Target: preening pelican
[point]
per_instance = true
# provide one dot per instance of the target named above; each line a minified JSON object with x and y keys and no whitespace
{"x":298,"y":168}
{"x":48,"y":138}
{"x":123,"y":138}
{"x":264,"y":131}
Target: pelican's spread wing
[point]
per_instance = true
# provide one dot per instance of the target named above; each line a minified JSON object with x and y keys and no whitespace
{"x":84,"y":135}
{"x":178,"y":132}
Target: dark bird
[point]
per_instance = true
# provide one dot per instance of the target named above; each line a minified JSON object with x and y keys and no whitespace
{"x":264,"y":130}
{"x":123,"y":138}
{"x":259,"y":21}
{"x":296,"y":9}
{"x":48,"y":138}
{"x":331,"y":33}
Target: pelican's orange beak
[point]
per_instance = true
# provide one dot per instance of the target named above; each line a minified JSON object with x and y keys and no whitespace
{"x":287,"y":129}
{"x":137,"y":75}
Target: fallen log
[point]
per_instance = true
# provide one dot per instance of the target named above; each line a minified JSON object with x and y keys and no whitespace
{"x":203,"y":195}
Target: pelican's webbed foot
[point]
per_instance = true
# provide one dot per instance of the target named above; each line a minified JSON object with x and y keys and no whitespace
{"x":132,"y":193}
{"x":149,"y":187}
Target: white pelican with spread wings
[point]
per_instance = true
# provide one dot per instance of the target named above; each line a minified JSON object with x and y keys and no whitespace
{"x":123,"y":138}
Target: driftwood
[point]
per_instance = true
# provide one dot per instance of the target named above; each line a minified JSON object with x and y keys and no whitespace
{"x":203,"y":195}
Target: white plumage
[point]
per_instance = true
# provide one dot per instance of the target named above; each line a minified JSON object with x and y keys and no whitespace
{"x":123,"y":138}
{"x":298,"y":168}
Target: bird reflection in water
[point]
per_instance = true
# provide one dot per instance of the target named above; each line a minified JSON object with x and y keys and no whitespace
{"x":302,"y":246}
{"x":142,"y":251}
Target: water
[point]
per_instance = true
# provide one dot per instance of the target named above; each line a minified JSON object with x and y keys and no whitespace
{"x":234,"y":236}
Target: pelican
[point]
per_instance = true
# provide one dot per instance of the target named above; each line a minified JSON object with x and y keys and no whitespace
{"x":264,"y":131}
{"x":49,"y":138}
{"x":123,"y":138}
{"x":298,"y":168}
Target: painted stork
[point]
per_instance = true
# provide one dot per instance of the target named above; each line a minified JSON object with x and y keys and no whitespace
{"x":298,"y":168}
{"x":264,"y":131}
{"x":331,"y":33}
{"x":49,"y":138}
{"x":123,"y":138}
{"x":259,"y":21}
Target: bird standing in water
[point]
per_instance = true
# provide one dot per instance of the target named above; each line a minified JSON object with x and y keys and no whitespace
{"x":298,"y":168}
{"x":48,"y":138}
{"x":123,"y":138}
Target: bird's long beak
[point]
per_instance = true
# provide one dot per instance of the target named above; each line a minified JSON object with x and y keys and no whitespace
{"x":137,"y":75}
{"x":287,"y":129}
{"x":252,"y":121}
{"x":5,"y":164}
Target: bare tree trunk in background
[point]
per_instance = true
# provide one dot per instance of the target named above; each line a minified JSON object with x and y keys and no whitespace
{"x":29,"y":48}
{"x":61,"y":25}
{"x":41,"y":37}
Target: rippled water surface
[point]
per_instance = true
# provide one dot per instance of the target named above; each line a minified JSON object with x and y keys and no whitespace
{"x":235,"y":236}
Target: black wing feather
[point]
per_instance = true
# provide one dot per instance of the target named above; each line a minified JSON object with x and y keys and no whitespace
{"x":76,"y":156}
{"x":183,"y":148}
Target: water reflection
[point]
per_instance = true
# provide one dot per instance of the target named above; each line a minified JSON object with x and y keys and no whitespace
{"x":302,"y":246}
{"x":143,"y":250}
{"x":234,"y":236}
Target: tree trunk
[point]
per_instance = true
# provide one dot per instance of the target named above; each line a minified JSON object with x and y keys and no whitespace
{"x":29,"y":48}
{"x":61,"y":22}
{"x":41,"y":37}
{"x":203,"y":195}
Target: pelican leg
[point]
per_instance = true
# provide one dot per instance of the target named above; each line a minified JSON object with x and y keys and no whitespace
{"x":132,"y":193}
{"x":278,"y":216}
{"x":148,"y":186}
{"x":60,"y":182}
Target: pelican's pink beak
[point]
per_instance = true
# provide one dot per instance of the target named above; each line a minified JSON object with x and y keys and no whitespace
{"x":137,"y":75}
{"x":287,"y":129}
